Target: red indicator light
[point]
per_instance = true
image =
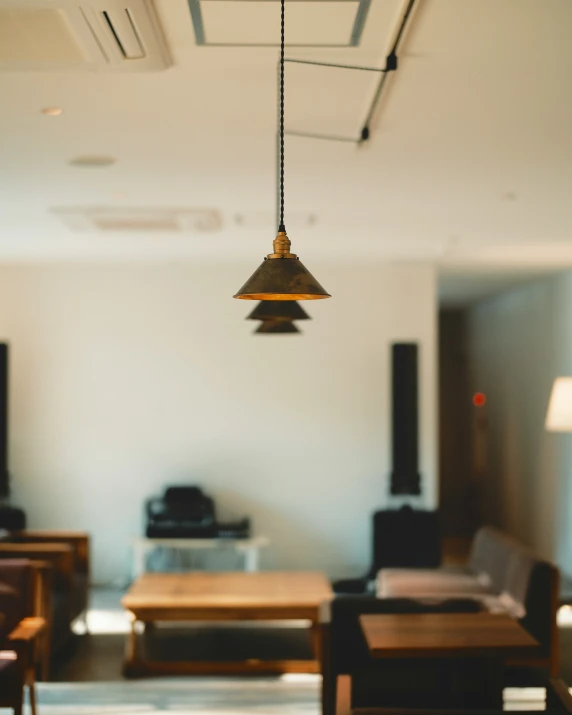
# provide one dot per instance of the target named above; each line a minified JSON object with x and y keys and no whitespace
{"x":479,"y":399}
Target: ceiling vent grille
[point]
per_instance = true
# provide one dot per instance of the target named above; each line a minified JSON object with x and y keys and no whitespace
{"x":105,"y":35}
{"x":104,"y":219}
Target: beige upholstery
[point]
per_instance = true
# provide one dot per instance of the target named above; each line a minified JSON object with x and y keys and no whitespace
{"x":504,"y":575}
{"x":409,"y":583}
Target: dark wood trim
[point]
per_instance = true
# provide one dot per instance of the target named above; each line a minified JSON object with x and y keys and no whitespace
{"x":140,"y":668}
{"x":221,"y":613}
{"x":554,"y":635}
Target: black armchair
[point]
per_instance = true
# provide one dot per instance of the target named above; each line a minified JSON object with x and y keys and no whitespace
{"x":402,"y":538}
{"x":345,"y":651}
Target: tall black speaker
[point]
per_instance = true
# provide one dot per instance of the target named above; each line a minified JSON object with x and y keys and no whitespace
{"x":4,"y":478}
{"x":405,"y":477}
{"x":11,"y":518}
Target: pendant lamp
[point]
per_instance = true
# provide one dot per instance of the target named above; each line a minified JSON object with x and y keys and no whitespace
{"x":283,"y":310}
{"x":281,"y":276}
{"x":276,"y":327}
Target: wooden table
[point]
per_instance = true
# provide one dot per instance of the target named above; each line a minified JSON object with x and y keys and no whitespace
{"x":435,"y":635}
{"x":235,"y":596}
{"x":470,"y":646}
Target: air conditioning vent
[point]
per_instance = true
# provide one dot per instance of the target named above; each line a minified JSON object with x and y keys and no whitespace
{"x":125,"y":34}
{"x":113,"y":219}
{"x":54,"y":35}
{"x":250,"y":220}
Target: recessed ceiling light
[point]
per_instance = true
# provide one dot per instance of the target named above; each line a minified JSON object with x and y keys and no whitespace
{"x":93,"y":160}
{"x":52,"y":111}
{"x":509,"y":196}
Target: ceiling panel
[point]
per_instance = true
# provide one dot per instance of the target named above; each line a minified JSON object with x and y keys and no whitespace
{"x":258,"y":23}
{"x":327,"y":100}
{"x":36,"y":35}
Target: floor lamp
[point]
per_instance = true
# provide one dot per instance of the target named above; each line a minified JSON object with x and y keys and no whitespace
{"x":559,"y":415}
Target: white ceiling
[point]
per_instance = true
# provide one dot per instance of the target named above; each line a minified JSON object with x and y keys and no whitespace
{"x":469,"y":164}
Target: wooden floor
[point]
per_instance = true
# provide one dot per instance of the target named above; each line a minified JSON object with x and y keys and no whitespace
{"x":99,"y":657}
{"x":183,"y":696}
{"x":88,"y":680}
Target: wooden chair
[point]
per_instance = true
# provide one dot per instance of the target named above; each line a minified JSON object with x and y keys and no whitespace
{"x":20,"y":646}
{"x":19,"y":661}
{"x":66,"y":553}
{"x":345,"y":654}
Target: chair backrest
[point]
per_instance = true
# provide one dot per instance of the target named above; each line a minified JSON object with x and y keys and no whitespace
{"x":518,"y":573}
{"x":491,"y":553}
{"x":406,"y":538}
{"x":534,"y":583}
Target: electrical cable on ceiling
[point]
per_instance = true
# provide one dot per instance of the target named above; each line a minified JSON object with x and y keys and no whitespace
{"x":281,"y":276}
{"x":391,"y":65}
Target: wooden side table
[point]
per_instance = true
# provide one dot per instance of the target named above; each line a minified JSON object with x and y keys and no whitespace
{"x":463,"y":649}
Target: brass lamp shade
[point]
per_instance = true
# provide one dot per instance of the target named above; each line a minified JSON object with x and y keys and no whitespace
{"x":278,"y":310}
{"x":281,"y":276}
{"x":270,"y":327}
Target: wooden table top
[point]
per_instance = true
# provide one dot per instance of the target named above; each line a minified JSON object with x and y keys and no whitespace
{"x":446,"y":634}
{"x":232,"y":590}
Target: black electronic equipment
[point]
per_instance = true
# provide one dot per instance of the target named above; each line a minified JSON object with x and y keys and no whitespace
{"x":185,"y":512}
{"x":4,"y":476}
{"x":11,"y":518}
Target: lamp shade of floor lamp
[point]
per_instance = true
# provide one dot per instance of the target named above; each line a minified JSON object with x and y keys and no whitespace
{"x":559,"y":415}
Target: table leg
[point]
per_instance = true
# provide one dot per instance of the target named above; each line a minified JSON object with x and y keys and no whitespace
{"x":473,"y":682}
{"x":251,"y":559}
{"x":495,"y":680}
{"x":31,"y":681}
{"x":139,"y":560}
{"x":316,"y":635}
{"x":131,"y":645}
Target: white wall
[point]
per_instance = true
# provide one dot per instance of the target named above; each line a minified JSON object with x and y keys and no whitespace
{"x":519,"y":342}
{"x":129,"y":377}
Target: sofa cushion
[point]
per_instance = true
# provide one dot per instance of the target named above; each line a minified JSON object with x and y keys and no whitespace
{"x":394,"y":583}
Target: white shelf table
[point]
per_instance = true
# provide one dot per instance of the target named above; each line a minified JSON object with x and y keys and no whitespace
{"x":249,"y":548}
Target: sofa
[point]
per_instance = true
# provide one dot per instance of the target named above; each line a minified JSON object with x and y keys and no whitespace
{"x":66,"y":555}
{"x":501,"y":574}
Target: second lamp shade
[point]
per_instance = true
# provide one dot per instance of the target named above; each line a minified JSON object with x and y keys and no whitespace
{"x":274,"y":327}
{"x":278,"y":310}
